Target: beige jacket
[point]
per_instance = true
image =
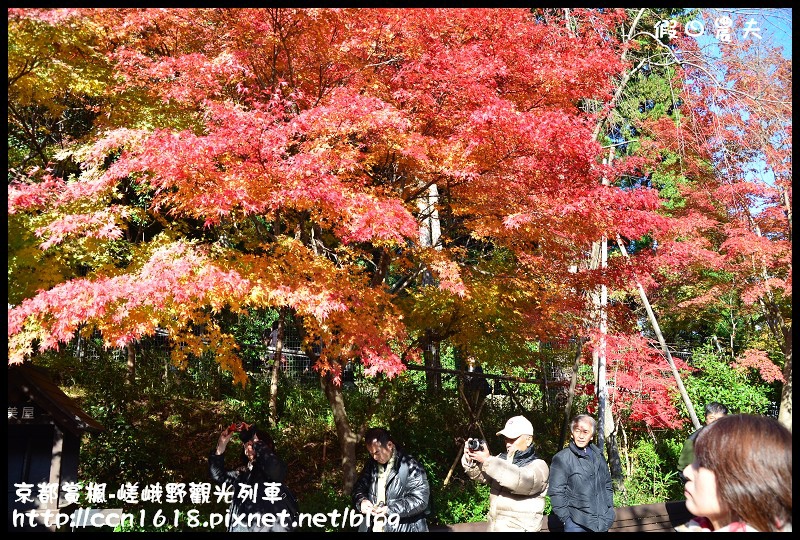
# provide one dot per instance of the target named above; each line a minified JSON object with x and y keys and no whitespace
{"x":516,"y":500}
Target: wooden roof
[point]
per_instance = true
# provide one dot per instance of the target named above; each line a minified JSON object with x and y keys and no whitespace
{"x":27,"y":382}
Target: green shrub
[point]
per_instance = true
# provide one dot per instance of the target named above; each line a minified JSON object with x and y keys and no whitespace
{"x":654,"y":477}
{"x":715,"y":380}
{"x":459,"y":502}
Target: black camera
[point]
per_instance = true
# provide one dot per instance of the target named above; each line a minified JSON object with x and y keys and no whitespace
{"x":262,"y":448}
{"x":473,"y":445}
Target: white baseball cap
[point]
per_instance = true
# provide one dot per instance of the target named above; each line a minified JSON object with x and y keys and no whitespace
{"x":516,"y":426}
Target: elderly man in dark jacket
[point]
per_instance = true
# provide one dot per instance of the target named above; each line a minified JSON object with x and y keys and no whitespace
{"x":392,"y":490}
{"x":580,"y":489}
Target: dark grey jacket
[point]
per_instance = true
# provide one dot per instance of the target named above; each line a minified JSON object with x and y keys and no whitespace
{"x":407,"y":492}
{"x":581,"y":489}
{"x":267,"y":468}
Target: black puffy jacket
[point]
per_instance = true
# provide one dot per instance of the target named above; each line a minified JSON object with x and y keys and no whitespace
{"x":267,"y":469}
{"x":407,"y":493}
{"x":580,"y":488}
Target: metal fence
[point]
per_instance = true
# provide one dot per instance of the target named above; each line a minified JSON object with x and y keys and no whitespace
{"x":295,"y":363}
{"x":556,"y":364}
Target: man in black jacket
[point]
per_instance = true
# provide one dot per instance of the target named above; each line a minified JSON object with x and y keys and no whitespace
{"x":392,"y":489}
{"x":581,"y":492}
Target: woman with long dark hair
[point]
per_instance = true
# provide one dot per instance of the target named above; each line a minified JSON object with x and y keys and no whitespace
{"x":261,"y":501}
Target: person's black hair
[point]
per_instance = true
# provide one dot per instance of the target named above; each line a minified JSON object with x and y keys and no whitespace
{"x":263,"y":438}
{"x":716,"y":408}
{"x":378,"y":434}
{"x":247,"y":434}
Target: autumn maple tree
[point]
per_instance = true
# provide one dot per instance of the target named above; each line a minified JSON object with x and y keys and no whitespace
{"x":301,"y":159}
{"x":731,"y":249}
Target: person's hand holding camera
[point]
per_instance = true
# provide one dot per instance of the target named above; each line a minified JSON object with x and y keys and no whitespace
{"x":379,"y":509}
{"x":227,"y":434}
{"x":475,"y":453}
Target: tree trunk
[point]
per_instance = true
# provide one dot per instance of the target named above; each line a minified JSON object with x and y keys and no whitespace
{"x":348,"y":439}
{"x":599,"y":298}
{"x":602,"y":388}
{"x":573,"y":382}
{"x":782,"y":333}
{"x":614,"y":461}
{"x":429,"y":234}
{"x":131,"y":375}
{"x":276,"y":369}
{"x":430,"y":353}
{"x":785,"y":413}
{"x":599,"y":259}
{"x":429,"y":227}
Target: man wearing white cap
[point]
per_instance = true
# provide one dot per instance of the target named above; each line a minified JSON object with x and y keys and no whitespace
{"x":517,"y":478}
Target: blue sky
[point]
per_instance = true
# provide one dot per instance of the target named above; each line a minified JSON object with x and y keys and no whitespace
{"x":774,"y":26}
